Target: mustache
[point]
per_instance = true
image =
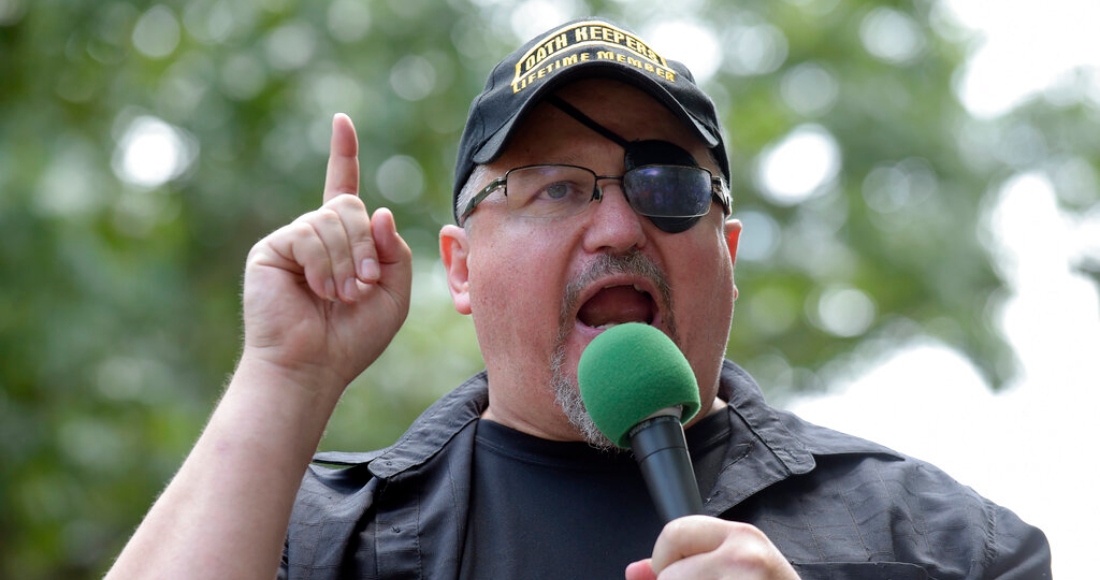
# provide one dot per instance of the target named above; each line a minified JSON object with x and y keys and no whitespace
{"x":634,"y":263}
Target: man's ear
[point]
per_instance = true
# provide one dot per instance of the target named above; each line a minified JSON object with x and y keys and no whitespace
{"x":733,"y":236}
{"x":454,"y":249}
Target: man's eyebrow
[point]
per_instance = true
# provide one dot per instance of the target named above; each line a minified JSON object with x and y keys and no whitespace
{"x":570,"y":157}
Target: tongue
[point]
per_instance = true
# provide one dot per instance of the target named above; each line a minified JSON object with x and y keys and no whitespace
{"x":617,"y":305}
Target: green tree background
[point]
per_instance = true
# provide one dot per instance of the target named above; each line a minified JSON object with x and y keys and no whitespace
{"x":119,"y":300}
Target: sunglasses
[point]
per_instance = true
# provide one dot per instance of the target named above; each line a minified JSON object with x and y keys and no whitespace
{"x":674,"y":197}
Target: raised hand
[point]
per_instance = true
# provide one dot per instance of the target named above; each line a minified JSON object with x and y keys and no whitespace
{"x":323,"y":297}
{"x":325,"y":294}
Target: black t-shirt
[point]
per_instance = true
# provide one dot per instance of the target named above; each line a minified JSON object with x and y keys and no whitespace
{"x":551,"y":509}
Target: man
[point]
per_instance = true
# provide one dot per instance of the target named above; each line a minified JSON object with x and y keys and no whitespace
{"x":591,"y":190}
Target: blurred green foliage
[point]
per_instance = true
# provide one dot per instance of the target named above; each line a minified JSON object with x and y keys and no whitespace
{"x":119,"y":301}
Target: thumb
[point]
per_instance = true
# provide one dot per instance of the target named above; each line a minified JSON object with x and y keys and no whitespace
{"x":389,"y":244}
{"x":394,"y":255}
{"x":640,"y":570}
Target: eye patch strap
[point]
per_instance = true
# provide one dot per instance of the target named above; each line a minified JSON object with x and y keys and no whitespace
{"x":637,"y":153}
{"x":586,"y":120}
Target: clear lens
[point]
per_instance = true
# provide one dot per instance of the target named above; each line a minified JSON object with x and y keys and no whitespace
{"x":550,"y":190}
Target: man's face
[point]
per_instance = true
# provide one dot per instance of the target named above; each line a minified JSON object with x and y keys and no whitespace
{"x":540,"y":289}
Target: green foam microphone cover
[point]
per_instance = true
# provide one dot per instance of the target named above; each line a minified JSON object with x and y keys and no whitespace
{"x":631,"y":371}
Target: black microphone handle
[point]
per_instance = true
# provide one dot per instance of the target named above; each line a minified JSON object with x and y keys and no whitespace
{"x":661,"y":451}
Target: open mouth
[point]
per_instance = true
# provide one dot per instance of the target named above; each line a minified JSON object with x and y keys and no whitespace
{"x":618,"y":304}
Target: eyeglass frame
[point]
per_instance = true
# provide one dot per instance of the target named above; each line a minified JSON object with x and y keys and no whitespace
{"x":718,"y":191}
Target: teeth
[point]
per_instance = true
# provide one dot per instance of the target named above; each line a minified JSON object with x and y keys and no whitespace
{"x":636,"y":287}
{"x":614,"y":324}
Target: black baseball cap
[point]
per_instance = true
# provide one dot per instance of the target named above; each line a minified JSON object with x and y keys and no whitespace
{"x":584,"y":48}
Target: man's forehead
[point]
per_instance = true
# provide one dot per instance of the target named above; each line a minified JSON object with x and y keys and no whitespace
{"x":613,"y":102}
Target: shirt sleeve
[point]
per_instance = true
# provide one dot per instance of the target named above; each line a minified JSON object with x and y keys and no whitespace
{"x":1016,"y":550}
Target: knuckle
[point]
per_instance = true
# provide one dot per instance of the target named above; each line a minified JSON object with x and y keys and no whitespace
{"x":346,"y":203}
{"x":750,"y":557}
{"x":749,"y":548}
{"x":326,"y":216}
{"x":677,"y":526}
{"x":315,"y":218}
{"x":300,"y":228}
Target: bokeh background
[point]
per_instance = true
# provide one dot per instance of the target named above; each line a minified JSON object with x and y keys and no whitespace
{"x":899,"y":195}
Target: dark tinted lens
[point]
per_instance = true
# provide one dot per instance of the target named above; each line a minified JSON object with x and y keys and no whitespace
{"x":668,"y":190}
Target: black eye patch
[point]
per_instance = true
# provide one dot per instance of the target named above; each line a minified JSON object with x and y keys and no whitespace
{"x":657,"y":152}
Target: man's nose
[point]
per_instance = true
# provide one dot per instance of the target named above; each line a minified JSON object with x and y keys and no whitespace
{"x":613,"y":224}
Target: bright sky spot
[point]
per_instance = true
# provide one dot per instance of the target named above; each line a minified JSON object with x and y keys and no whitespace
{"x":291,"y":46}
{"x":243,"y":76}
{"x":151,"y":152}
{"x":688,"y":42}
{"x":348,"y":20}
{"x":798,"y":166}
{"x":400,"y":179}
{"x":1028,"y":46}
{"x":809,"y":89}
{"x":537,"y":16}
{"x":845,"y":311}
{"x":754,"y":49}
{"x":157,"y":32}
{"x":891,"y":36}
{"x":413,"y":78}
{"x":12,"y":11}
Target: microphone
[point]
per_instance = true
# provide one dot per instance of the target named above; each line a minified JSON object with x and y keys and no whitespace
{"x":640,"y":390}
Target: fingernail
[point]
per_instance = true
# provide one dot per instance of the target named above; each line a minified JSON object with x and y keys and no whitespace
{"x":369,"y":270}
{"x":351,"y":289}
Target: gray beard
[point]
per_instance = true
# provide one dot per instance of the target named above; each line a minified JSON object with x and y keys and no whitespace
{"x":568,"y":395}
{"x":566,"y":391}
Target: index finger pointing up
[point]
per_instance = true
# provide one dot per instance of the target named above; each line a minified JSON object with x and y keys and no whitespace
{"x":342,"y":175}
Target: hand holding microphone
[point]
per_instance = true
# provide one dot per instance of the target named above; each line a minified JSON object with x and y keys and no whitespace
{"x":639,"y":390}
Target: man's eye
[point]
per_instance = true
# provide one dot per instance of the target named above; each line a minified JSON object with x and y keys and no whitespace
{"x":559,"y":191}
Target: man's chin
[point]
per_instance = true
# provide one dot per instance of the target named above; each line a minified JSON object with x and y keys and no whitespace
{"x":568,"y":396}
